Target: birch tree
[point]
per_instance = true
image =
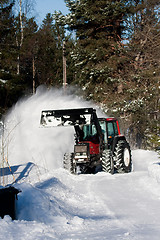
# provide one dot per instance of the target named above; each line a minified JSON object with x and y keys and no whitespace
{"x":23,"y":9}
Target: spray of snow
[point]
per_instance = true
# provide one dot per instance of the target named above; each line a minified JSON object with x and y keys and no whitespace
{"x":28,"y":142}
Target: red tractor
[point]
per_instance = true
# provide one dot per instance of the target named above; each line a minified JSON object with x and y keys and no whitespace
{"x":99,"y":144}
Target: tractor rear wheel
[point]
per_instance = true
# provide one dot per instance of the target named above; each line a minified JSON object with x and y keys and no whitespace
{"x":107,"y":161}
{"x":68,"y":162}
{"x":122,"y":157}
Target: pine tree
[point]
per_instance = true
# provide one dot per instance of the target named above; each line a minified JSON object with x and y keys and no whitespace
{"x":28,"y":54}
{"x":49,"y":62}
{"x":7,"y":49}
{"x":61,"y":36}
{"x":6,"y":34}
{"x":46,"y":53}
{"x":143,"y":70}
{"x":99,"y":26}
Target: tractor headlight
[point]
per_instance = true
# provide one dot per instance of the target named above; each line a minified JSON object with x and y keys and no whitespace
{"x":81,"y":154}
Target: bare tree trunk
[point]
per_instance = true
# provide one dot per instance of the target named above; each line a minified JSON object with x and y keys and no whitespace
{"x":34,"y":83}
{"x":64,"y":66}
{"x":19,"y":45}
{"x":21,"y":23}
{"x":18,"y":63}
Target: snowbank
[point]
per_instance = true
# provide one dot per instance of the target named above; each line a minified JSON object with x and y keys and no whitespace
{"x":143,"y":159}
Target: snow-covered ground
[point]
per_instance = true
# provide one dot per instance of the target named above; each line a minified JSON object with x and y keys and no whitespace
{"x":55,"y":204}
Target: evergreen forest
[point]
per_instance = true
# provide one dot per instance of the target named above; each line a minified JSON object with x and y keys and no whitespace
{"x":111,"y":49}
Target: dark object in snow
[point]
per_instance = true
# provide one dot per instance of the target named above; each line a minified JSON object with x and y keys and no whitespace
{"x":8,"y":198}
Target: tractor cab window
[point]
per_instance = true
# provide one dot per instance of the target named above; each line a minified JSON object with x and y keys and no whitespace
{"x":110,"y":129}
{"x":94,"y":130}
{"x":103,"y":128}
{"x":115,"y":128}
{"x":86,"y":131}
{"x":90,"y":133}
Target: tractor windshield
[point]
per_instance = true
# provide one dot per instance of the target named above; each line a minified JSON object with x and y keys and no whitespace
{"x":110,"y":129}
{"x":90,"y":133}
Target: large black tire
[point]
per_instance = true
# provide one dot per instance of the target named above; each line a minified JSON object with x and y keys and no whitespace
{"x":122,"y":157}
{"x":68,"y":162}
{"x":107,"y":161}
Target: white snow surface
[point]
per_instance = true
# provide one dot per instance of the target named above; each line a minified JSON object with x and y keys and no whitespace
{"x":55,"y":204}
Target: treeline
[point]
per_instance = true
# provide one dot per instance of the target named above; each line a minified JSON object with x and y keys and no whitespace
{"x":30,"y":55}
{"x":112,"y":53}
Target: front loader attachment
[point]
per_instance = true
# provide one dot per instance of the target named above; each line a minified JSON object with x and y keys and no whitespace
{"x":67,"y":117}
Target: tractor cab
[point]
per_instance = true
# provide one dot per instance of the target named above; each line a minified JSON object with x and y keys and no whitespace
{"x":110,"y":129}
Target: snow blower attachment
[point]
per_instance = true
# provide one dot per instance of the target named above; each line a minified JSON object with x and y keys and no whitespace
{"x":68,"y":117}
{"x":98,"y":142}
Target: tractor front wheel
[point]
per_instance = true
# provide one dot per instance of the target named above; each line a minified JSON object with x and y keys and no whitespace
{"x":122,"y":157}
{"x":107,"y":161}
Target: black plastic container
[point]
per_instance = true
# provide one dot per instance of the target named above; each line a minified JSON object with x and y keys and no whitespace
{"x":8,"y":198}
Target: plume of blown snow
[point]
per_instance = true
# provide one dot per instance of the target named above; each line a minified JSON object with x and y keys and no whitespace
{"x":26,"y":141}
